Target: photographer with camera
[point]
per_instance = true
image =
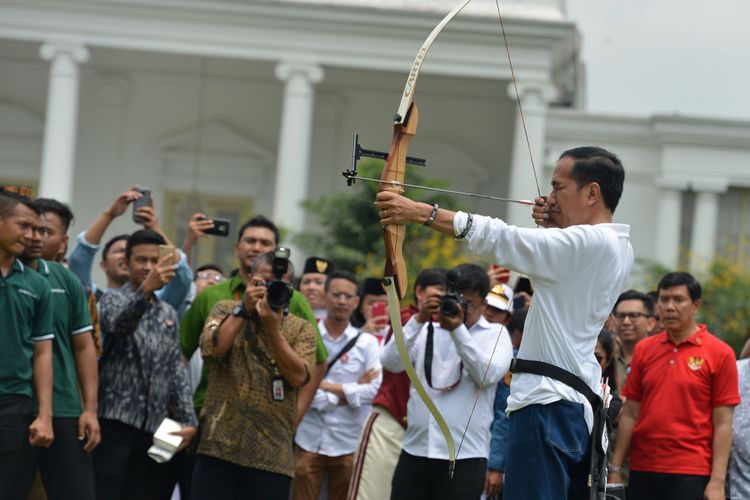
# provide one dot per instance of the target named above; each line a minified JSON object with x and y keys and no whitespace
{"x":257,"y":356}
{"x":451,"y":345}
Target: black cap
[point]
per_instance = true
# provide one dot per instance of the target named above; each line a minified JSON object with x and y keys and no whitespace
{"x":318,"y":265}
{"x":373,"y":286}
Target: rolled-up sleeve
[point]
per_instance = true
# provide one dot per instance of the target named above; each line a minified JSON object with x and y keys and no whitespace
{"x":81,"y":259}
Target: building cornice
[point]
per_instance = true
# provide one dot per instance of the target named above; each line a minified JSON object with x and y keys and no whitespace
{"x":657,"y":131}
{"x":329,"y":35}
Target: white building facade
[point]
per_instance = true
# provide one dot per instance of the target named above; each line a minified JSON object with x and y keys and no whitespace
{"x":240,"y":107}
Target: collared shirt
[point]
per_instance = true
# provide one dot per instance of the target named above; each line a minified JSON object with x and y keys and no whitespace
{"x":192,"y":323}
{"x":242,"y":423}
{"x":81,"y":260}
{"x":26,"y":318}
{"x":475,"y":357}
{"x":142,"y":373}
{"x":70,"y":316}
{"x":331,"y":427}
{"x":577,"y":273}
{"x":678,"y":387}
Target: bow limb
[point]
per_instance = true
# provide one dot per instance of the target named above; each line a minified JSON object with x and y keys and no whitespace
{"x":403,"y":352}
{"x":395,"y":281}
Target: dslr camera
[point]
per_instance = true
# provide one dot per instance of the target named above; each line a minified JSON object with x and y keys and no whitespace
{"x":279,"y":293}
{"x":452,"y":299}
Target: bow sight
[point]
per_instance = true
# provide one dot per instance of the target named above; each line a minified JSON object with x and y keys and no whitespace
{"x":358,"y":152}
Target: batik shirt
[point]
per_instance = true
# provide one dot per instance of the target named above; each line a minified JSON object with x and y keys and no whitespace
{"x":142,"y":373}
{"x":241,"y":422}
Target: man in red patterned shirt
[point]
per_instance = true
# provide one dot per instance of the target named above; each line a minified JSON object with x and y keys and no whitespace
{"x":681,"y":393}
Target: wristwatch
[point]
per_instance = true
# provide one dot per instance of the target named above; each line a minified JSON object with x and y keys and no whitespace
{"x":239,"y":311}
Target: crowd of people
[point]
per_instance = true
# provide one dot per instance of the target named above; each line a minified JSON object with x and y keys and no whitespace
{"x":290,"y":385}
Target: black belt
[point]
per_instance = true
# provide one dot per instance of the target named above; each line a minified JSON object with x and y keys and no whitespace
{"x":556,"y":373}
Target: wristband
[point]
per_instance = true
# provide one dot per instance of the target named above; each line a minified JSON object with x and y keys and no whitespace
{"x":614,"y":468}
{"x":466,"y":230}
{"x":432,"y":216}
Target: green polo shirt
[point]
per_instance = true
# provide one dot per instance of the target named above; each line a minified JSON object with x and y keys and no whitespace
{"x":191,"y":324}
{"x":26,"y":318}
{"x":70,"y":317}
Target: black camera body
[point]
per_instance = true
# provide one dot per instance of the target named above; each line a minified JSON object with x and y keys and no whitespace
{"x":452,"y":299}
{"x":279,"y":293}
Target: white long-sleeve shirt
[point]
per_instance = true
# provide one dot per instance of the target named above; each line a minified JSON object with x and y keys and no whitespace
{"x":577,"y":273}
{"x":474,"y":348}
{"x":329,"y":428}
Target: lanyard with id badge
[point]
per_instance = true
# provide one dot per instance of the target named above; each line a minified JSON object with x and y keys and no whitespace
{"x":264,"y":357}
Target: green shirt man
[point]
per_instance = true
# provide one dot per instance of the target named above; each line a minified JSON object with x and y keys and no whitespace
{"x":26,"y":316}
{"x":70,"y":317}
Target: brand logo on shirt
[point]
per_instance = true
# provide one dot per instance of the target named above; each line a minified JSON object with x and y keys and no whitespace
{"x":26,"y":292}
{"x":344,"y":357}
{"x":695,"y":363}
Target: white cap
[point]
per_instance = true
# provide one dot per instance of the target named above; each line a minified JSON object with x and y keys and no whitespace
{"x":501,"y":297}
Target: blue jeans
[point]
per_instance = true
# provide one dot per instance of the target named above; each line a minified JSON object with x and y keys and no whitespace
{"x":548,"y":453}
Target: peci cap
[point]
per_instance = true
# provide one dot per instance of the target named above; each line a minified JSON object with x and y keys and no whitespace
{"x":372,"y":286}
{"x":501,"y":297}
{"x":318,"y":265}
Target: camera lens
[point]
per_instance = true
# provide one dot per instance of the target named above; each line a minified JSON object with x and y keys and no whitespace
{"x":448,"y":307}
{"x":279,"y":294}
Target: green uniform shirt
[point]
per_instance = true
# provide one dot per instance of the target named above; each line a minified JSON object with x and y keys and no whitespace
{"x":192,"y":323}
{"x":70,"y":317}
{"x":26,"y":318}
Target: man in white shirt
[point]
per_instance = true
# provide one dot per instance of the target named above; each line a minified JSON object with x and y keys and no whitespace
{"x":328,"y":435}
{"x":578,"y":268}
{"x":453,"y":358}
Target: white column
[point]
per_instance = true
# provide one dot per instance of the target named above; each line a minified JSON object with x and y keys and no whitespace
{"x":705,"y":222}
{"x":61,"y":122}
{"x":668,"y":224}
{"x":292,"y":171}
{"x":534,"y":100}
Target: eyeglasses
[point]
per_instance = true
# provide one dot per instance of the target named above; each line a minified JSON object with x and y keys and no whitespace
{"x":344,"y":295}
{"x":630,"y":316}
{"x":211,"y":277}
{"x":470,"y":306}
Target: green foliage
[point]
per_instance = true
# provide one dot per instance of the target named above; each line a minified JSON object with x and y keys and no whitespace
{"x":725,"y":297}
{"x":352,"y":235}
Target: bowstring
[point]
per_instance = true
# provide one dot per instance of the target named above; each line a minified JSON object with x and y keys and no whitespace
{"x":518,"y":97}
{"x":539,"y":192}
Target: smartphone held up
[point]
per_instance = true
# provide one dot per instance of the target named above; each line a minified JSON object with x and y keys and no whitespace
{"x":143,"y":201}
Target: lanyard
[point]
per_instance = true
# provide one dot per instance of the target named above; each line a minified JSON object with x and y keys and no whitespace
{"x":428,"y":350}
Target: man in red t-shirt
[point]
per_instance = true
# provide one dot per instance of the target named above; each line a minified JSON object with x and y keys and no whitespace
{"x":681,"y":393}
{"x":380,"y":442}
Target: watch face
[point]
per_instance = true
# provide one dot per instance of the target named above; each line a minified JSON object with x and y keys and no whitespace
{"x":238,"y":310}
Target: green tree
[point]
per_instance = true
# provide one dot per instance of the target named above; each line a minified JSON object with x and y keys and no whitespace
{"x":353,"y":237}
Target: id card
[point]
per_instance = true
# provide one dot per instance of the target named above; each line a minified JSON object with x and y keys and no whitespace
{"x":277,"y":388}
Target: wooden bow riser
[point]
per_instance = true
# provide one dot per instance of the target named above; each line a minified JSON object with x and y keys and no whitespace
{"x":395,"y":169}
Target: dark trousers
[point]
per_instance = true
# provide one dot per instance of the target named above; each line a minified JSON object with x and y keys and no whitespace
{"x":17,"y":457}
{"x":122,"y":468}
{"x":66,"y":470}
{"x":420,"y":478}
{"x":177,"y":472}
{"x":548,"y":453}
{"x":656,"y":486}
{"x":214,"y":478}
